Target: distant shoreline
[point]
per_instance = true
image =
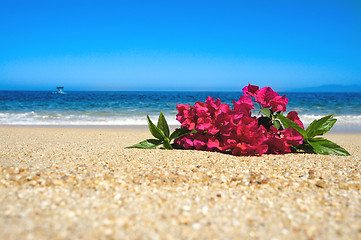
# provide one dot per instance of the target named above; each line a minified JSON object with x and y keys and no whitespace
{"x":297,"y":90}
{"x":83,"y":126}
{"x":340,"y":129}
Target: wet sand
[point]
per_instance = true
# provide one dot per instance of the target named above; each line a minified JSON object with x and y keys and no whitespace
{"x":68,"y":183}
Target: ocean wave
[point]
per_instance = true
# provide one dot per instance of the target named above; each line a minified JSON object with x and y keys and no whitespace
{"x":341,"y":119}
{"x":110,"y":119}
{"x":32,"y":118}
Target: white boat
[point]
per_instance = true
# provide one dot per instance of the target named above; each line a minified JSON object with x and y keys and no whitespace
{"x":60,"y":90}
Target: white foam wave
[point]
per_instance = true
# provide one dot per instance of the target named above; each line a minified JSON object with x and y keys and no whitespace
{"x":32,"y":118}
{"x":341,"y":119}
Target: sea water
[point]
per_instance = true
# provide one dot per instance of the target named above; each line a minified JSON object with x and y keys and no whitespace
{"x":127,"y":109}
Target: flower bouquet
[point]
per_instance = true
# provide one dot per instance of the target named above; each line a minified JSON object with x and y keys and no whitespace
{"x":216,"y":126}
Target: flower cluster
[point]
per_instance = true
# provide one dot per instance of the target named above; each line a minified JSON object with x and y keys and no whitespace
{"x":234,"y":130}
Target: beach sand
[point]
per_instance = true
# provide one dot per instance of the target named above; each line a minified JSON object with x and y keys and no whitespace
{"x":64,"y":183}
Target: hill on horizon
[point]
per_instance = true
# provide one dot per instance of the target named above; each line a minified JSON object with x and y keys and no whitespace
{"x":330,"y":88}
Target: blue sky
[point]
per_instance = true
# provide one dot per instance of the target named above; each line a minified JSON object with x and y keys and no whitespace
{"x":178,"y":45}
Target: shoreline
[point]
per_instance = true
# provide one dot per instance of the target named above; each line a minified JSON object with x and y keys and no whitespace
{"x":81,"y":183}
{"x":337,"y":129}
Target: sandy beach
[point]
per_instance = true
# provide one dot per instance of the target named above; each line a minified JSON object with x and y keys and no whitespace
{"x":65,"y":183}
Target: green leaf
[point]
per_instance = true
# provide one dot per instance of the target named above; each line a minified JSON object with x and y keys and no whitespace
{"x":279,"y":113}
{"x":181,"y":132}
{"x":167,"y":145}
{"x":266,"y":111}
{"x":326,"y":147}
{"x":154,"y":130}
{"x":289,"y":123}
{"x":147,"y":144}
{"x":306,"y":147}
{"x":163,"y":125}
{"x":320,"y":126}
{"x":277,"y":124}
{"x":176,"y":146}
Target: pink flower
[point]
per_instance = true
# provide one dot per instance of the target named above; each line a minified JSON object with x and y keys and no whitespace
{"x":277,"y":146}
{"x":244,"y":105}
{"x":293,"y":115}
{"x":213,"y":144}
{"x":183,"y":112}
{"x":250,"y":137}
{"x":200,"y":141}
{"x":186,"y":116}
{"x":185,"y":141}
{"x":223,"y":123}
{"x":250,"y":90}
{"x":243,"y":149}
{"x":246,"y":128}
{"x":206,"y":124}
{"x":201,"y":109}
{"x":292,"y":137}
{"x":224,"y":108}
{"x":276,"y":143}
{"x":228,"y":142}
{"x":264,"y":96}
{"x":279,"y":103}
{"x":219,"y":128}
{"x":213,"y":106}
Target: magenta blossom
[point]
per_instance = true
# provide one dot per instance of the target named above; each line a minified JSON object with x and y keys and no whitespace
{"x":279,"y":103}
{"x":264,"y":96}
{"x":250,"y":90}
{"x":293,"y":115}
{"x":223,"y":129}
{"x":292,"y":136}
{"x":244,"y":105}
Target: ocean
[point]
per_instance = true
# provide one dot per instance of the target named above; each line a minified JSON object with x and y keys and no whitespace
{"x":129,"y":109}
